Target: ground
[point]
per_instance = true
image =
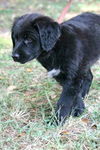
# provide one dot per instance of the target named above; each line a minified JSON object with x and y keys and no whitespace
{"x":28,"y":96}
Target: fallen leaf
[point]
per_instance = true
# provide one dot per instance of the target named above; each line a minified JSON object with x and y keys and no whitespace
{"x":20,"y":135}
{"x":85,"y":120}
{"x":29,"y":70}
{"x":65,"y":132}
{"x":94,"y":126}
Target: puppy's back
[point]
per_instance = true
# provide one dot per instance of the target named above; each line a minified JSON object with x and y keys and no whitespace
{"x":88,"y":19}
{"x":86,"y":28}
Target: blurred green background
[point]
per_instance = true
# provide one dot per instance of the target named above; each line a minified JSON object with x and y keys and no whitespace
{"x":12,"y":8}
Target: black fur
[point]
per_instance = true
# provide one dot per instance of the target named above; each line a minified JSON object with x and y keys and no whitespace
{"x":73,"y":47}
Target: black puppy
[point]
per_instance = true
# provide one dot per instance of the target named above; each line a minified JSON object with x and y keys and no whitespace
{"x":66,"y":50}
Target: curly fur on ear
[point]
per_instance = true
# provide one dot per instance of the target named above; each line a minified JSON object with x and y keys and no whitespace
{"x":49,"y":32}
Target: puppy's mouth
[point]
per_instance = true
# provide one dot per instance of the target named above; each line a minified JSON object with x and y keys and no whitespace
{"x":20,"y":61}
{"x":23,"y":61}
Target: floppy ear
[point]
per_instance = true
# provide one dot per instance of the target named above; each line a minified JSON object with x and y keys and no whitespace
{"x":49,"y":33}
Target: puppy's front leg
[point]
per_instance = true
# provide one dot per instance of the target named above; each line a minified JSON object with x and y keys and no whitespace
{"x":67,"y":100}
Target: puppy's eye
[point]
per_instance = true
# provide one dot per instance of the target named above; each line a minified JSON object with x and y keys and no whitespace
{"x":28,"y":40}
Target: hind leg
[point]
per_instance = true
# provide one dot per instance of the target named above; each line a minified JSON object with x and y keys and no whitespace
{"x":87,"y":84}
{"x":79,"y":106}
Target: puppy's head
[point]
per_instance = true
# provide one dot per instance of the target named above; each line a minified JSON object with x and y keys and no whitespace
{"x":32,"y":35}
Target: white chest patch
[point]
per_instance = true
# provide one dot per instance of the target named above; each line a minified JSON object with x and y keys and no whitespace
{"x":53,"y":73}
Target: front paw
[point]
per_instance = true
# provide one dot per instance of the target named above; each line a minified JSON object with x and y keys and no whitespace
{"x":63,"y":111}
{"x":78,"y":107}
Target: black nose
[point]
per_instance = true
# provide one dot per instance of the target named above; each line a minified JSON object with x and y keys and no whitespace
{"x":15,"y":57}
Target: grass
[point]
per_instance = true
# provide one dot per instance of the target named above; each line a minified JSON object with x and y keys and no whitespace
{"x":28,"y":96}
